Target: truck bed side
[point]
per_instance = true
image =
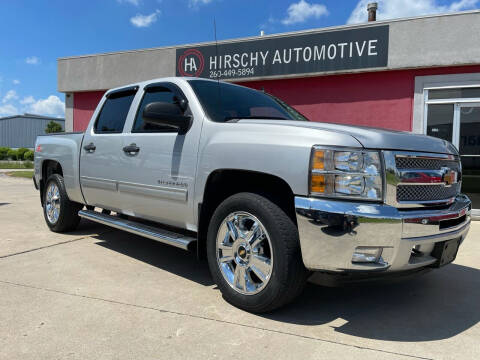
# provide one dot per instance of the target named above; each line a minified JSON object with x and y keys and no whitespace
{"x":63,"y":148}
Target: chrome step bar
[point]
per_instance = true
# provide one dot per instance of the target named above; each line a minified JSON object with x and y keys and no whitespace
{"x":167,"y":237}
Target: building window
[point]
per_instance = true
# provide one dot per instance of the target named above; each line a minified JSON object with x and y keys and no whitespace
{"x":453,"y":114}
{"x":440,"y":121}
{"x":454,"y":93}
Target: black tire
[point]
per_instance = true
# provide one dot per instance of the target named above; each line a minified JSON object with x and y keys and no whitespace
{"x":288,"y":276}
{"x":68,"y":218}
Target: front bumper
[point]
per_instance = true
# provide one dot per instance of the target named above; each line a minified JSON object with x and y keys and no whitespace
{"x":331,"y":230}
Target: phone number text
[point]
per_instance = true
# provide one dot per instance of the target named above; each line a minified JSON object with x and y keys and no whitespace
{"x":215,"y":74}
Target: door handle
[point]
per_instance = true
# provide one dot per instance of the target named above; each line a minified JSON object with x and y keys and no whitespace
{"x":90,"y":148}
{"x":131,"y":149}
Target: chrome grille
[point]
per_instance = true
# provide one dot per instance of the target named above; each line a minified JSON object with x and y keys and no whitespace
{"x":416,"y":179}
{"x":426,"y":192}
{"x":424,"y":163}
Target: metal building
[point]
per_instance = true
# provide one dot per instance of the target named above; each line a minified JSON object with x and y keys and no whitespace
{"x":21,"y":130}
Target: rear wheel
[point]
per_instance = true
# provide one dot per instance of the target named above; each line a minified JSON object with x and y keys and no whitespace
{"x":60,"y":213}
{"x":254,"y":254}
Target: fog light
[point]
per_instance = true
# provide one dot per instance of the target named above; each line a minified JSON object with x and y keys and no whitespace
{"x":367,"y":254}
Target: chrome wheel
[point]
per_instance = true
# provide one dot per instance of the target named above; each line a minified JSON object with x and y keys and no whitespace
{"x":244,"y":253}
{"x":52,"y":203}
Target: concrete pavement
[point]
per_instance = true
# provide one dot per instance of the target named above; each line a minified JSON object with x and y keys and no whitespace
{"x":100,"y":293}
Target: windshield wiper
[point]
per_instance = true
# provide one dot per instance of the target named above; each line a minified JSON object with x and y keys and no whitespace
{"x":229,"y":118}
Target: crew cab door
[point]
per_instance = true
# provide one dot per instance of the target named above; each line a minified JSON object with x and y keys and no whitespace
{"x":101,"y":154}
{"x":156,"y":179}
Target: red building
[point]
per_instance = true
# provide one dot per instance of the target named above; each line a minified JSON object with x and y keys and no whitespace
{"x":420,"y":74}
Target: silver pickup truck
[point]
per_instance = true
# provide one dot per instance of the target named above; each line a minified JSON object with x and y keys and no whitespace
{"x":268,"y":196}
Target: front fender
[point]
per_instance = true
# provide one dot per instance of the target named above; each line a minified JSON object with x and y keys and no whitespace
{"x":282,"y":151}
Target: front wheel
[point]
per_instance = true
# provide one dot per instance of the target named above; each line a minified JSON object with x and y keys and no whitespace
{"x":60,"y":213}
{"x":254,"y":254}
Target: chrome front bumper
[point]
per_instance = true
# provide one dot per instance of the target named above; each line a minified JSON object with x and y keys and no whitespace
{"x":331,"y":230}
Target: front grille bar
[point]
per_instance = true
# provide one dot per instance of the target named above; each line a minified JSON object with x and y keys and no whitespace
{"x":426,"y":192}
{"x":408,"y":162}
{"x":421,"y":179}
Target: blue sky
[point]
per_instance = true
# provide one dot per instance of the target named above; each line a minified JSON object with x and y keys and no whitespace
{"x":36,"y":33}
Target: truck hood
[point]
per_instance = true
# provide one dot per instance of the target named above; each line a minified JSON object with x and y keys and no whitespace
{"x":373,"y":138}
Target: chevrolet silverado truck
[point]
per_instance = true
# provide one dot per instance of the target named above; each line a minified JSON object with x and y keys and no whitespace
{"x":243,"y":179}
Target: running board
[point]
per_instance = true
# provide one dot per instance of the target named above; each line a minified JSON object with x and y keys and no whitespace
{"x":161,"y":235}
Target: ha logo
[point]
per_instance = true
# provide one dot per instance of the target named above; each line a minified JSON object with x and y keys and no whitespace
{"x":191,"y":63}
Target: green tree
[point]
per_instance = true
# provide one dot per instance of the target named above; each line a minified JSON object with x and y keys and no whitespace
{"x":53,"y":127}
{"x":21,"y":152}
{"x":28,"y":155}
{"x":3,"y":152}
{"x":12,"y":154}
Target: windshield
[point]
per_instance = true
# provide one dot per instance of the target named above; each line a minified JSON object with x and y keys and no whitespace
{"x":227,"y":102}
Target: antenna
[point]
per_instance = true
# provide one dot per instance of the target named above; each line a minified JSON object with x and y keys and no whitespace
{"x":216,"y":54}
{"x":215,"y":35}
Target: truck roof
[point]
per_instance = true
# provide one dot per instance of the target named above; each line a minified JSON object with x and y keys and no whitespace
{"x":174,"y":79}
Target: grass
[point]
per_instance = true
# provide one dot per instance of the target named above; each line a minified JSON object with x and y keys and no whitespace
{"x":12,"y":165}
{"x":22,"y":174}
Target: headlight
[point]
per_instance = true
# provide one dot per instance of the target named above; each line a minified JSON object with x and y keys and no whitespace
{"x":346,"y":173}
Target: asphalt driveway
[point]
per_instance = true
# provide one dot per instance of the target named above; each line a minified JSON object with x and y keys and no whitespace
{"x":100,"y":293}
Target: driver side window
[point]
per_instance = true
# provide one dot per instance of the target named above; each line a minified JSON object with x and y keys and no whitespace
{"x":158,"y":94}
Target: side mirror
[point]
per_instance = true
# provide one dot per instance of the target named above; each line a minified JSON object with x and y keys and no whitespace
{"x":183,"y":103}
{"x":162,"y":113}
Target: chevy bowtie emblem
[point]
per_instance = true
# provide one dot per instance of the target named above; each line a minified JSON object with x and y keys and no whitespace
{"x":450,"y":176}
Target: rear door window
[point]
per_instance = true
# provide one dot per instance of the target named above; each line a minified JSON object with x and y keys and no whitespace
{"x":114,"y":112}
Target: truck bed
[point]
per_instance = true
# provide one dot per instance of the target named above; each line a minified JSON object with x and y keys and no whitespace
{"x":65,"y":149}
